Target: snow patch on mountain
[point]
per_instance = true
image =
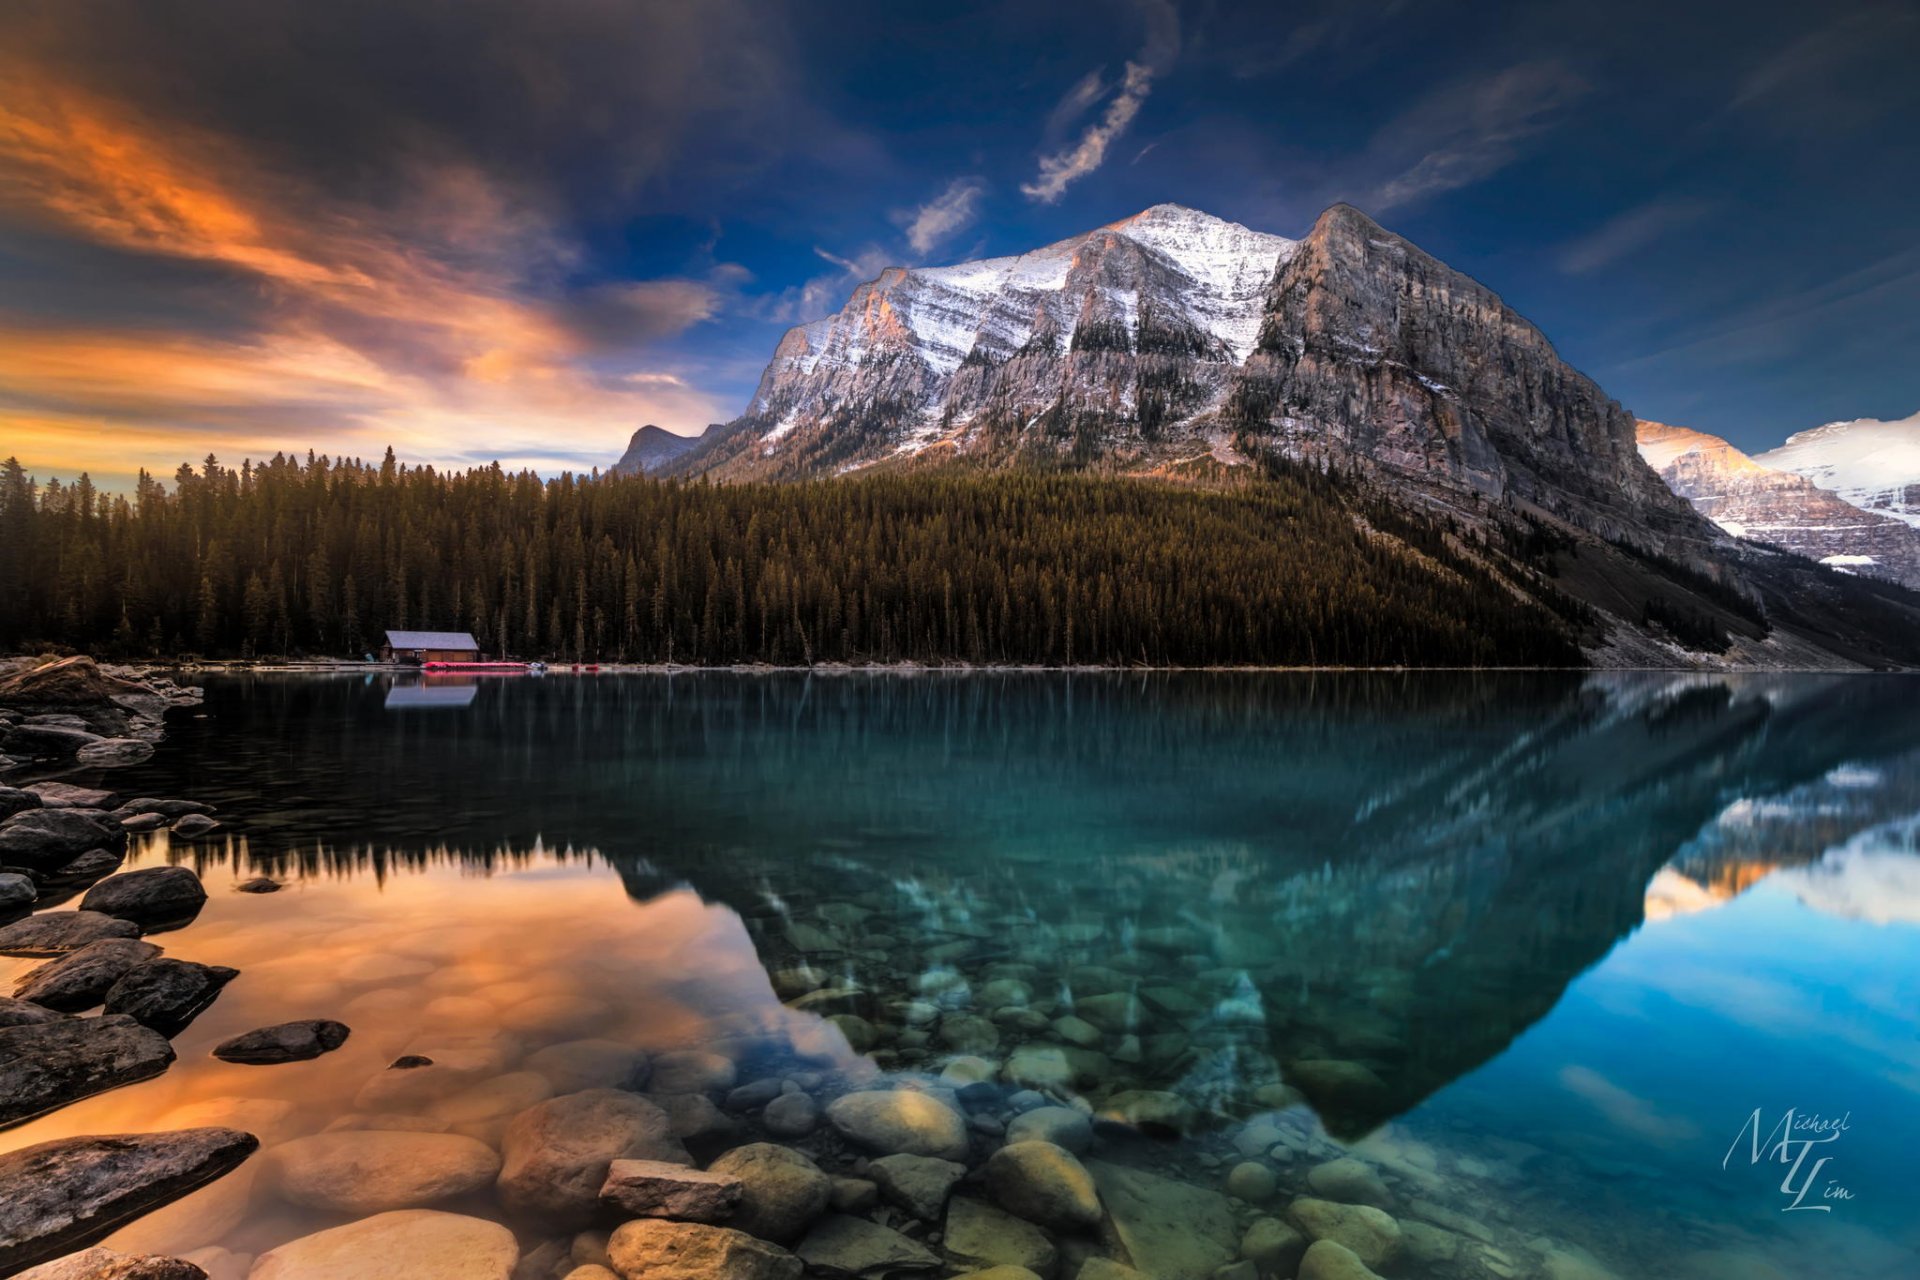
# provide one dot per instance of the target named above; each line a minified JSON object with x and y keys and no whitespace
{"x":1871,"y":463}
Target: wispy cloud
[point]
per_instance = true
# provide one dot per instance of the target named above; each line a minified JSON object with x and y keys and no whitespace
{"x":1468,"y":131}
{"x":1630,"y":231}
{"x":946,"y":215}
{"x":1062,"y":168}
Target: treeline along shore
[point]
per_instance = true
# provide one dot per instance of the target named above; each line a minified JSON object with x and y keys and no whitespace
{"x":1289,"y":567}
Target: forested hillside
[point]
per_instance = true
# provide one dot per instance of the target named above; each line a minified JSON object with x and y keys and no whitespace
{"x":319,"y":557}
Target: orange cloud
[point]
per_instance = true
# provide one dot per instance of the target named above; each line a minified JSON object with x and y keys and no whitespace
{"x":435,"y":324}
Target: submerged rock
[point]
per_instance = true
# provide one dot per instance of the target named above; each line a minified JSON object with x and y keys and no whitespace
{"x":899,"y":1121}
{"x":781,"y":1190}
{"x":65,"y":795}
{"x":420,"y":1244}
{"x":1044,"y":1183}
{"x":194,"y":826}
{"x":1371,"y":1234}
{"x":66,"y":1194}
{"x":55,"y":933}
{"x":1349,"y":1181}
{"x":16,"y":892}
{"x":24,"y":1013}
{"x":918,"y":1184}
{"x":44,"y":1066}
{"x":1273,"y":1246}
{"x":283,"y":1042}
{"x":574,"y":1065}
{"x":1326,"y":1260}
{"x":1062,"y":1126}
{"x":371,"y":1171}
{"x":845,"y":1246}
{"x":692,"y":1071}
{"x":979,"y":1235}
{"x":654,"y":1249}
{"x":556,"y":1155}
{"x":167,"y":994}
{"x":168,"y":809}
{"x":149,"y":896}
{"x":108,"y":1264}
{"x":791,"y":1115}
{"x":657,"y":1189}
{"x":259,"y":884}
{"x":1172,"y":1230}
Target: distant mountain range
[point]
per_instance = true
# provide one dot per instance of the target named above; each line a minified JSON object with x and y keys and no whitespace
{"x":1751,"y":499}
{"x":651,"y":449}
{"x":1181,"y":346}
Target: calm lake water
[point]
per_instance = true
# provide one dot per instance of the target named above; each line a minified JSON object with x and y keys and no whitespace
{"x":1539,"y":948}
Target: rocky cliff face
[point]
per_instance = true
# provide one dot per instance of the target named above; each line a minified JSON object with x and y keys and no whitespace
{"x":1749,"y":500}
{"x":1175,"y":336}
{"x":651,"y":449}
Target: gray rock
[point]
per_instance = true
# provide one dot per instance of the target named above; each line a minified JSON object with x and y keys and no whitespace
{"x":845,"y":1246}
{"x":1273,"y":1246}
{"x":757,"y":1094}
{"x":373,"y":1171}
{"x":16,"y":891}
{"x":139,"y":822}
{"x":1044,"y":1183}
{"x":194,"y":826}
{"x":782,"y":1191}
{"x":1062,"y":1126}
{"x":283,"y":1042}
{"x":1252,"y":1181}
{"x":81,"y":979}
{"x":1349,"y":1181}
{"x":65,"y":795}
{"x":167,"y":994}
{"x":83,"y":870}
{"x":149,"y":897}
{"x":662,"y":1250}
{"x":556,"y":1154}
{"x":64,"y":1195}
{"x":853,"y":1195}
{"x":14,"y":800}
{"x":900,"y":1121}
{"x":1172,"y":1230}
{"x":1326,"y":1260}
{"x":50,"y":742}
{"x":24,"y":1013}
{"x":791,"y":1115}
{"x":109,"y":753}
{"x":259,"y":884}
{"x":1371,"y":1234}
{"x":918,"y":1184}
{"x":980,"y":1236}
{"x":42,"y":839}
{"x":657,"y":1189}
{"x":168,"y":809}
{"x":106,"y":1264}
{"x":44,"y":1066}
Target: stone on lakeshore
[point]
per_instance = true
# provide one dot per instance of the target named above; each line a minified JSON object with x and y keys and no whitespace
{"x":140,"y":822}
{"x":756,"y":1094}
{"x":42,"y":839}
{"x":1172,"y":1230}
{"x":854,"y":1248}
{"x":781,"y":1190}
{"x":1252,"y":1181}
{"x":1328,"y":1260}
{"x":1062,"y":1126}
{"x":900,"y":1122}
{"x":55,"y":933}
{"x":16,"y":891}
{"x":1349,"y":1181}
{"x":575,"y":1066}
{"x":420,"y":1244}
{"x":113,"y":752}
{"x":83,"y":870}
{"x":193,"y":826}
{"x":81,"y":979}
{"x":44,"y":1066}
{"x":149,"y":896}
{"x":853,"y":1195}
{"x":50,"y":741}
{"x":168,"y":809}
{"x":692,"y":1071}
{"x":372,"y":1172}
{"x":259,"y":884}
{"x":918,"y":1184}
{"x":555,"y":1155}
{"x":65,"y":795}
{"x":1371,"y":1234}
{"x":656,"y":1189}
{"x":981,"y":1236}
{"x":860,"y":1034}
{"x":1045,"y":1184}
{"x":503,"y":1095}
{"x":167,"y":994}
{"x":284,"y":1042}
{"x":16,"y":800}
{"x":24,"y":1013}
{"x":791,"y":1115}
{"x":655,"y":1249}
{"x":109,"y":1264}
{"x":64,"y":1195}
{"x":1273,"y":1246}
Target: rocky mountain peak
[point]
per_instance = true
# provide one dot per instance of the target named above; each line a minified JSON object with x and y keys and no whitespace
{"x":652,"y":448}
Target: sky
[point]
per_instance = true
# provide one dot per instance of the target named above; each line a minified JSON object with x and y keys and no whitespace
{"x":504,"y":230}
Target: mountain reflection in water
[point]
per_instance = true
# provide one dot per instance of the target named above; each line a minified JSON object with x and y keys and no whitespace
{"x":1182,"y":897}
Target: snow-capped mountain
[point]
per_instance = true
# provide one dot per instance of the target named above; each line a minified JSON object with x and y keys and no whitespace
{"x":1750,"y":500}
{"x":1872,"y":464}
{"x":1174,"y":337}
{"x":651,"y":449}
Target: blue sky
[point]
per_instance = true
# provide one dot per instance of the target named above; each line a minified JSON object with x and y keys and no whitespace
{"x":507,"y":230}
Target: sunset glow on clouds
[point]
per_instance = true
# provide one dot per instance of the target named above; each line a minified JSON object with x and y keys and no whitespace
{"x":513,"y":231}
